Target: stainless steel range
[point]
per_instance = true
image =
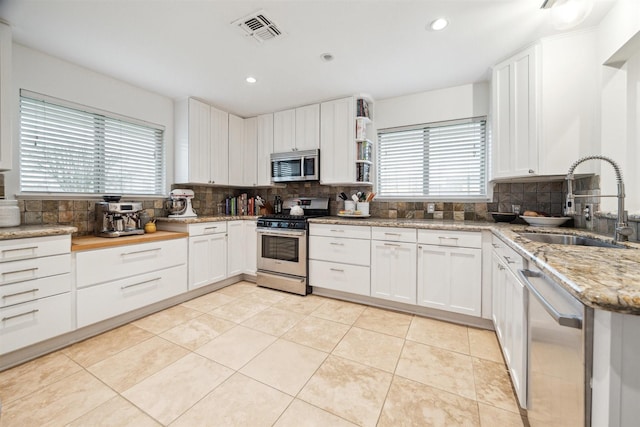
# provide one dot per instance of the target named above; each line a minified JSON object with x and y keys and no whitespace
{"x":283,"y":245}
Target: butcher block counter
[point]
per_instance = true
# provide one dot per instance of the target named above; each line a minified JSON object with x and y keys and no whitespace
{"x":84,"y":243}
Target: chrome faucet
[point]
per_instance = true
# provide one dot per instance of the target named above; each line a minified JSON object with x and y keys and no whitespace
{"x":622,"y":229}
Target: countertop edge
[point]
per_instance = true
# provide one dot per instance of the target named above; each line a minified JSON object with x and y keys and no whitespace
{"x":26,"y":231}
{"x":84,"y":243}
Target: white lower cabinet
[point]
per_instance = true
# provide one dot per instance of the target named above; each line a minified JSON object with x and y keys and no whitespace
{"x":249,"y":252}
{"x":235,"y":246}
{"x":393,"y":264}
{"x":207,"y":259}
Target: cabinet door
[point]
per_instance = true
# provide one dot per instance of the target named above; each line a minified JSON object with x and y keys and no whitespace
{"x":219,"y":147}
{"x":393,"y":271}
{"x":337,"y":142}
{"x":5,"y":97}
{"x":207,"y":259}
{"x":249,"y":154}
{"x":264,"y":149}
{"x":450,"y":279}
{"x":235,"y":248}
{"x":236,"y":142}
{"x":498,"y":277}
{"x":516,"y":334}
{"x":199,"y":138}
{"x":250,"y":247}
{"x":502,"y":120}
{"x":284,"y":131}
{"x":307,"y":127}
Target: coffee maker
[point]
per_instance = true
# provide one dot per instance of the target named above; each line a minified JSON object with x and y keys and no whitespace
{"x":115,"y":219}
{"x":179,"y":203}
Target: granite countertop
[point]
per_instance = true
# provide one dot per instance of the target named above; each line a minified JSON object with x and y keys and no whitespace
{"x":198,"y":219}
{"x":602,"y":278}
{"x":25,"y":231}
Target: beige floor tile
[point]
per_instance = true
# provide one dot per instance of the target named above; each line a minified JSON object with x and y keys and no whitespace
{"x":491,"y":416}
{"x":300,"y":304}
{"x":170,"y":392}
{"x":58,"y":403}
{"x":265,"y":296}
{"x":440,"y":334}
{"x":493,"y":385}
{"x":285,"y":365}
{"x":348,"y":389}
{"x":167,"y":319}
{"x":339,"y":311}
{"x":440,"y":368}
{"x":239,"y":310}
{"x":410,"y":403}
{"x":273,"y":321}
{"x":484,"y":344}
{"x":236,"y":347}
{"x":300,"y":413}
{"x":31,"y":376}
{"x":115,"y":412}
{"x":239,"y":289}
{"x":384,"y":321}
{"x":370,"y":348}
{"x":239,"y":401}
{"x":127,"y":368}
{"x":318,"y":333}
{"x":208,"y":302}
{"x":100,"y":347}
{"x":197,"y":332}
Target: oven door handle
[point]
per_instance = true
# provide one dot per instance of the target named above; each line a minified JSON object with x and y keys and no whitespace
{"x":281,"y":233}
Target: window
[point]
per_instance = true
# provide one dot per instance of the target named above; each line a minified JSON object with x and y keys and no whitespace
{"x":445,"y":160}
{"x":67,"y":148}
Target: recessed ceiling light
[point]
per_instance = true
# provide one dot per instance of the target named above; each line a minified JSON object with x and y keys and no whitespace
{"x":327,"y":57}
{"x":251,"y":79}
{"x":439,"y":24}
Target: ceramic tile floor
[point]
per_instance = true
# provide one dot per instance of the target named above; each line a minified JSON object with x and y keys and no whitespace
{"x":248,"y":356}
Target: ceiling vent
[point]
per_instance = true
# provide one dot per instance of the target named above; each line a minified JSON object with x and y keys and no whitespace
{"x":258,"y":26}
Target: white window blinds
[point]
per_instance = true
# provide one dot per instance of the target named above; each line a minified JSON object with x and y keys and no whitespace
{"x":72,"y":149}
{"x":444,"y":160}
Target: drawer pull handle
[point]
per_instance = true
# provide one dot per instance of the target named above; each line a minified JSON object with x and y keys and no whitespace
{"x":501,"y":267}
{"x":337,"y":231}
{"x":336,"y":244}
{"x":140,"y":283}
{"x":495,"y":245}
{"x":337,"y":269}
{"x":210,"y":228}
{"x":20,"y":315}
{"x":508,"y":259}
{"x":20,"y":249}
{"x":448,"y":238}
{"x":392,"y":244}
{"x":140,"y":252}
{"x":20,"y":293}
{"x":392,"y":234}
{"x":20,"y":271}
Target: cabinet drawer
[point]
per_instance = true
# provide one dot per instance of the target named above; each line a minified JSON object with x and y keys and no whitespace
{"x":31,"y":322}
{"x":16,"y":249}
{"x":111,"y":299}
{"x":393,"y":234}
{"x":510,"y":257}
{"x":350,"y":231}
{"x":105,"y":265}
{"x":463,"y":239}
{"x":30,"y":290}
{"x":350,"y":251}
{"x":354,"y":279}
{"x":32,"y":269}
{"x":207,"y":228}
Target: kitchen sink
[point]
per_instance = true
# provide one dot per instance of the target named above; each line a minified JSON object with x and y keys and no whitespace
{"x":566,"y":239}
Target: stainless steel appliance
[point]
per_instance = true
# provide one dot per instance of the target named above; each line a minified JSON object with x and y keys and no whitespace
{"x":283,"y":245}
{"x":295,"y":166}
{"x":179,"y":203}
{"x":116,"y":219}
{"x":560,"y":354}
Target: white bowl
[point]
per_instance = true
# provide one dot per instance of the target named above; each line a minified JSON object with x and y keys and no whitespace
{"x":545,"y":221}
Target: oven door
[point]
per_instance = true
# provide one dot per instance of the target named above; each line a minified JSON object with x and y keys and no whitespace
{"x":282,"y":251}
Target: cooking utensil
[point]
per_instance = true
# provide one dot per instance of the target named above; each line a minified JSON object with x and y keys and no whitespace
{"x":370,"y":196}
{"x":343,"y":196}
{"x":354,"y":198}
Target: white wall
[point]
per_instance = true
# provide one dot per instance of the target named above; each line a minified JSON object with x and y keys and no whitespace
{"x":48,"y":75}
{"x":452,"y":103}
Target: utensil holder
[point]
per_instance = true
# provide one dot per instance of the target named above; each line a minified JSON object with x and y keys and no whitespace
{"x":349,"y":206}
{"x":363,"y":207}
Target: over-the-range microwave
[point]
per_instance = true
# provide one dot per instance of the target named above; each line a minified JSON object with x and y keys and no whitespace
{"x":295,"y":166}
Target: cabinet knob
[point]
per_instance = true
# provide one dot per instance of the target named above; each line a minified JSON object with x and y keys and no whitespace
{"x":531,"y":171}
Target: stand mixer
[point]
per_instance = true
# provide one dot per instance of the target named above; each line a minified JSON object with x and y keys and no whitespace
{"x":179,"y":204}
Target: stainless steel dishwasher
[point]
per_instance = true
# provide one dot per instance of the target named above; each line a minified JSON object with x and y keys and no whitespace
{"x":560,"y":354}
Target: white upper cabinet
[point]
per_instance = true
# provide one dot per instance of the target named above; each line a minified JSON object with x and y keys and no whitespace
{"x":249,"y":152}
{"x":296,"y":129}
{"x":201,"y":155}
{"x":264,"y":149}
{"x":337,"y":146}
{"x":5,"y":97}
{"x":236,"y":149}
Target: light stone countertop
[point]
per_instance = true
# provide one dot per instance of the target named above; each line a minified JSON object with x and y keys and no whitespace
{"x":196,"y":220}
{"x":602,"y":278}
{"x":25,"y":231}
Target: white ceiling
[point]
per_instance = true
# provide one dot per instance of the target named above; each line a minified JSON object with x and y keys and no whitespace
{"x":182,"y":48}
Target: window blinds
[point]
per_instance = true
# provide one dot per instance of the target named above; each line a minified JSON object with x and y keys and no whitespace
{"x":71,"y":149}
{"x":444,"y":160}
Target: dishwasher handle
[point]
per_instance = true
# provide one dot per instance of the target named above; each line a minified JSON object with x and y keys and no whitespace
{"x":568,"y":320}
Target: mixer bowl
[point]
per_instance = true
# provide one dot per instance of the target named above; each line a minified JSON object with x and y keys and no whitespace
{"x":176,"y":206}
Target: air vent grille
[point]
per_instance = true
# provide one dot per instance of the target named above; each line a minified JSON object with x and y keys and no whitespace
{"x":259,"y":27}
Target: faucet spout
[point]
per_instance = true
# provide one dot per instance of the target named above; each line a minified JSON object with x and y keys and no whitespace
{"x":622,"y":229}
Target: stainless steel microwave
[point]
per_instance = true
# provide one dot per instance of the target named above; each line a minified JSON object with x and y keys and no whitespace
{"x":295,"y":166}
